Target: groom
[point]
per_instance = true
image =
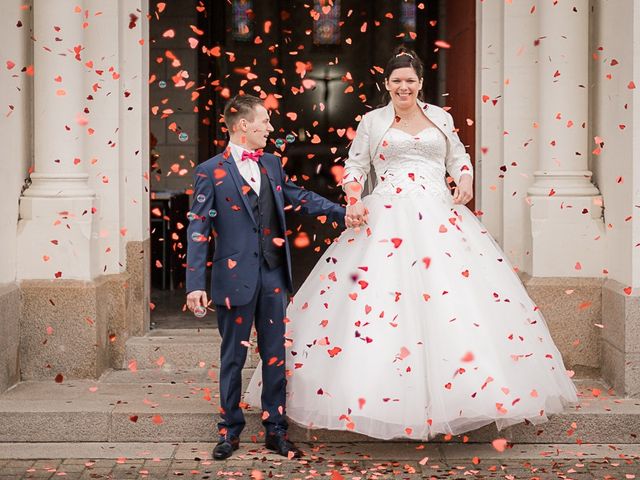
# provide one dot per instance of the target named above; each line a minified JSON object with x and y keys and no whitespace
{"x":239,"y":200}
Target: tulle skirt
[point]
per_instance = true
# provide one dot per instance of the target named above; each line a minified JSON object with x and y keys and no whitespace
{"x":417,"y":325}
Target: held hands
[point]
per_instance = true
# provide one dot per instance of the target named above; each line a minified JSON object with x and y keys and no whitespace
{"x":197,"y":298}
{"x":357,"y":214}
{"x":463,"y":192}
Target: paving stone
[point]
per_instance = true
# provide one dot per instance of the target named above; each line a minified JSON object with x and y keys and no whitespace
{"x":103,"y":463}
{"x":126,"y":468}
{"x":71,"y":467}
{"x":364,"y":461}
{"x":153,"y":472}
{"x":40,"y":473}
{"x":20,"y":463}
{"x":71,"y":476}
{"x":74,"y":461}
{"x":17,"y":471}
{"x":157,"y":463}
{"x":124,"y":474}
{"x":47,"y":463}
{"x":89,"y":475}
{"x":100,"y":470}
{"x":185,"y":464}
{"x":131,"y":461}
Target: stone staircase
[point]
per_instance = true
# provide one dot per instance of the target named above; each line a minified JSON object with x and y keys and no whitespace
{"x":168,"y":391}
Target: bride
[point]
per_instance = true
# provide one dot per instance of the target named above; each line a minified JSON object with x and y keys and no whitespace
{"x":415,"y":324}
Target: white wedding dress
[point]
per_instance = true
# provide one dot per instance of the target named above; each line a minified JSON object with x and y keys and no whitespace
{"x":417,"y":324}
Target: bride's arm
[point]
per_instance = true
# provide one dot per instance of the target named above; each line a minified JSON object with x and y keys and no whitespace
{"x":458,"y":164}
{"x":356,"y":170}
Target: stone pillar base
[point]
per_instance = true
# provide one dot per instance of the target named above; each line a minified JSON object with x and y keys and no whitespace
{"x":62,"y":329}
{"x":9,"y":336}
{"x":78,"y":329}
{"x":571,"y":307}
{"x":567,"y":236}
{"x":621,"y":338}
{"x":135,"y":320}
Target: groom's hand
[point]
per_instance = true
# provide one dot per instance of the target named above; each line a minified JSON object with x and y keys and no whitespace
{"x":357,"y":214}
{"x":351,"y":223}
{"x":196,"y":298}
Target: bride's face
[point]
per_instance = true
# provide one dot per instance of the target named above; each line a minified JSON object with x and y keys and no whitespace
{"x":403,"y":85}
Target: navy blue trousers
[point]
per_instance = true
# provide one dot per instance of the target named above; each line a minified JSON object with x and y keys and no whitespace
{"x":267,"y":309}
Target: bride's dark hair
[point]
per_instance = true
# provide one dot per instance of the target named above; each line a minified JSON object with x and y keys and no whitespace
{"x":403,"y":57}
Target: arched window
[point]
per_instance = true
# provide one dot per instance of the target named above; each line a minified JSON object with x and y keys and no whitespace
{"x":408,"y":19}
{"x":242,"y":13}
{"x":326,"y":24}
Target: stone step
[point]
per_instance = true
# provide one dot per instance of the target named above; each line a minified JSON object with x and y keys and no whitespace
{"x":174,"y":349}
{"x":181,"y":406}
{"x":253,"y":454}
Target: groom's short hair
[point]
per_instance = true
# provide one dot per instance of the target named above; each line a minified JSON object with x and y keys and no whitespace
{"x":238,"y":107}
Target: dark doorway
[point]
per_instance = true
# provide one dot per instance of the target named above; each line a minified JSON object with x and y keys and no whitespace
{"x":317,"y":91}
{"x":318,"y":75}
{"x":459,"y":19}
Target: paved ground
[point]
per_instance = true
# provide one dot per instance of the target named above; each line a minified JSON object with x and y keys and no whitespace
{"x":333,"y":462}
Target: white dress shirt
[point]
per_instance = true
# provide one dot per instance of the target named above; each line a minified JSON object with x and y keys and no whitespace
{"x":249,"y":169}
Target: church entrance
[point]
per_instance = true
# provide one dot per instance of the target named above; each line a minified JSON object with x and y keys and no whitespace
{"x":318,"y":65}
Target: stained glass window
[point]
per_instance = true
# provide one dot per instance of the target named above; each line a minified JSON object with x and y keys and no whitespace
{"x":242,"y":11}
{"x":408,"y":19}
{"x":326,"y":22}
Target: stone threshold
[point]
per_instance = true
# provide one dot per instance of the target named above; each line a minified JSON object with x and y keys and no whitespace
{"x":396,"y":451}
{"x":180,"y":406}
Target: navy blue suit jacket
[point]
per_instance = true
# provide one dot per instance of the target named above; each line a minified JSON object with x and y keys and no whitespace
{"x":221,"y":208}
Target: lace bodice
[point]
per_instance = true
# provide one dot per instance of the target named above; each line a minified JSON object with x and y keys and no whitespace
{"x":409,"y":164}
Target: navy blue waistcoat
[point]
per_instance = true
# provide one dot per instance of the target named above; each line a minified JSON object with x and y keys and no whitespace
{"x":271,"y":232}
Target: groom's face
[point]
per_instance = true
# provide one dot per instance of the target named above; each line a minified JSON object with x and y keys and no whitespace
{"x":257,"y":130}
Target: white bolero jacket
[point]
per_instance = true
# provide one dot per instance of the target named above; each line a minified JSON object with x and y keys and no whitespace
{"x":374,"y":126}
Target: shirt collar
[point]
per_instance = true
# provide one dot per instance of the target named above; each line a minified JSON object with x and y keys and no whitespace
{"x":236,"y":151}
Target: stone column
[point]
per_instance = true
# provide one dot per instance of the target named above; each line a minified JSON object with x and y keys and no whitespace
{"x":566,"y":208}
{"x":58,"y":101}
{"x":15,"y":138}
{"x":56,"y":224}
{"x":619,"y":176}
{"x":83,"y":232}
{"x":62,"y":324}
{"x":519,"y":100}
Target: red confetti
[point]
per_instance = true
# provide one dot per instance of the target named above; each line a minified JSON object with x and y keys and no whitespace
{"x":334,"y":351}
{"x":500,"y":444}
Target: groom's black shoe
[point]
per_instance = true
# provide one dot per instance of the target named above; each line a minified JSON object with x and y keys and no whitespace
{"x":225,"y":447}
{"x":279,"y":443}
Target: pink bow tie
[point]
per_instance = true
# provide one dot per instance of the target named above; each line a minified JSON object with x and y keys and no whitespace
{"x":255,"y":156}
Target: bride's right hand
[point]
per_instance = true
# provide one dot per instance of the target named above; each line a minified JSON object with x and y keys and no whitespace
{"x":357,"y":214}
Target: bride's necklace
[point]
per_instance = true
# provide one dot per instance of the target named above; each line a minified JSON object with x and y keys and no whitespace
{"x":406,"y":120}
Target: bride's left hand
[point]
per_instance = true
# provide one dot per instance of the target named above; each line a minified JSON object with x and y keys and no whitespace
{"x":463,"y":192}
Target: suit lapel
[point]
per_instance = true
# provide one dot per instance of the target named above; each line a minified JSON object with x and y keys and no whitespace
{"x":232,"y":168}
{"x":274,"y":188}
{"x":269,"y":175}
